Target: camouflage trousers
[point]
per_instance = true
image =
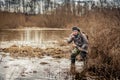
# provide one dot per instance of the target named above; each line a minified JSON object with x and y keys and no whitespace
{"x":76,"y":52}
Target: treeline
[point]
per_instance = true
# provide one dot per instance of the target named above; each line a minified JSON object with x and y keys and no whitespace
{"x":49,"y":6}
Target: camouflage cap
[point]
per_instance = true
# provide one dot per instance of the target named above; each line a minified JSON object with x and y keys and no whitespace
{"x":75,"y":28}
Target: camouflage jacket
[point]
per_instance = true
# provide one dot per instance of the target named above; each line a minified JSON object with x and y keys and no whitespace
{"x":80,"y":40}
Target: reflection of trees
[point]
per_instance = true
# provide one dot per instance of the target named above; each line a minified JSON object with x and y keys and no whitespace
{"x":32,"y":35}
{"x":6,"y":35}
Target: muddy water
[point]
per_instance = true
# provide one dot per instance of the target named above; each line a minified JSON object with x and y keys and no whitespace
{"x":46,"y":68}
{"x":33,"y":37}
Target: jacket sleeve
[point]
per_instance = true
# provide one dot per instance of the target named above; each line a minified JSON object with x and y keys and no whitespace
{"x":70,"y":39}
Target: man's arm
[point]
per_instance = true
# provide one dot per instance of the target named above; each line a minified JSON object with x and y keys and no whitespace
{"x":70,"y":39}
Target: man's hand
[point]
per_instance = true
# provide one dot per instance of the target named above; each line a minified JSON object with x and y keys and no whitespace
{"x":70,"y":39}
{"x":72,"y":35}
{"x":73,"y":45}
{"x":80,"y":49}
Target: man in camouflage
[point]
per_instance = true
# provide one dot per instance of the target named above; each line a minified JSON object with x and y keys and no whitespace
{"x":81,"y":44}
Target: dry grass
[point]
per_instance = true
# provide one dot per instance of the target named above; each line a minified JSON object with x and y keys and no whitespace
{"x":18,"y":20}
{"x":28,"y":51}
{"x":104,"y":36}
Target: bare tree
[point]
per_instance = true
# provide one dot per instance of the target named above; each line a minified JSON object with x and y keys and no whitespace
{"x":23,"y":5}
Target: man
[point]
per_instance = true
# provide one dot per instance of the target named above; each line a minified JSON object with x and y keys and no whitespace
{"x":80,"y":42}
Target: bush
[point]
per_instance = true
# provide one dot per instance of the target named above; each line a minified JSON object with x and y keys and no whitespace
{"x":104,"y":54}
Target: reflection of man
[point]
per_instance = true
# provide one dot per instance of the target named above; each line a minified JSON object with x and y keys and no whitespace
{"x":80,"y":42}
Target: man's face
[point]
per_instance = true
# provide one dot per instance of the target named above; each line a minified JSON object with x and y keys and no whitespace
{"x":75,"y":32}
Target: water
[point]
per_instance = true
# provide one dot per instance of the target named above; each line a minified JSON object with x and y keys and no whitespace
{"x":46,"y":68}
{"x":41,"y":37}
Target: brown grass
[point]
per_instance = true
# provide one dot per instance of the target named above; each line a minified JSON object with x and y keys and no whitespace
{"x":28,"y":51}
{"x":18,"y":20}
{"x":103,"y":28}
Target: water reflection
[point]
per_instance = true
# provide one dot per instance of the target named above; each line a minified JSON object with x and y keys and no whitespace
{"x":33,"y":36}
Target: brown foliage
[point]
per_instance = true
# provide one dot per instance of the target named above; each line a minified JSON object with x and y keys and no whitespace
{"x":18,"y":20}
{"x":104,"y":41}
{"x":27,"y":51}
